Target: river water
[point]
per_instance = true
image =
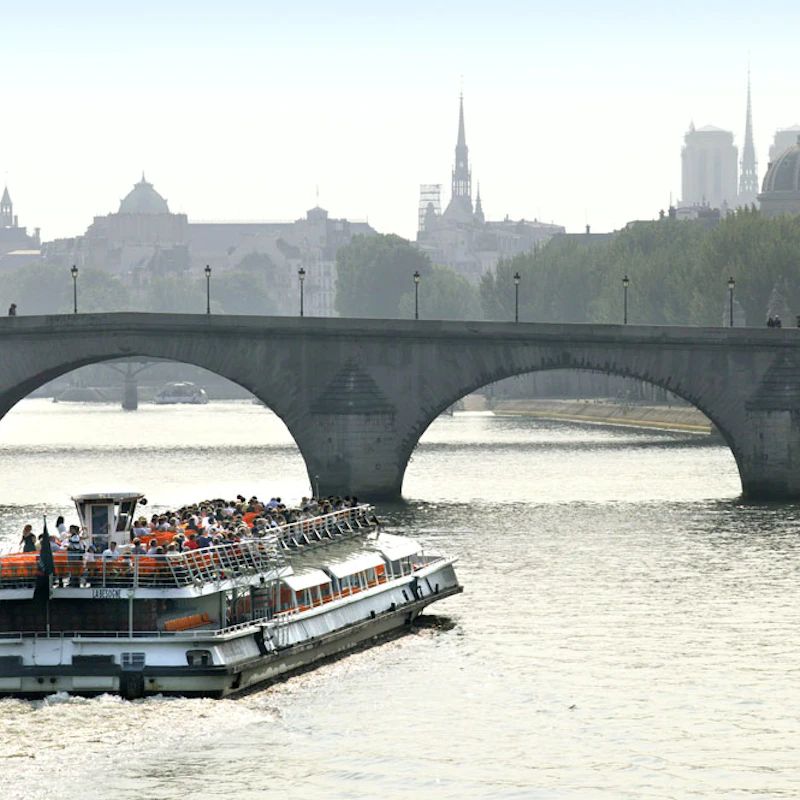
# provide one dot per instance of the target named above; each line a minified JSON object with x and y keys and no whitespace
{"x":628,"y":629}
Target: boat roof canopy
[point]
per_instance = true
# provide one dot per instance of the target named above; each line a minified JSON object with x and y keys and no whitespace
{"x":114,"y":497}
{"x":396,"y":547}
{"x":357,"y":564}
{"x":314,"y":577}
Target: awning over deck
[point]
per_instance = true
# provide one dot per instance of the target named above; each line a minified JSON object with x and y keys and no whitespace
{"x":357,"y":564}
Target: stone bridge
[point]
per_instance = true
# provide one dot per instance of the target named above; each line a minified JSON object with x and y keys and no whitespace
{"x":357,"y":395}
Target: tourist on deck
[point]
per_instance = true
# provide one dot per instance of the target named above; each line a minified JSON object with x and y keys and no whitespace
{"x":138,"y":548}
{"x":28,"y":541}
{"x":12,"y":310}
{"x":111,"y":553}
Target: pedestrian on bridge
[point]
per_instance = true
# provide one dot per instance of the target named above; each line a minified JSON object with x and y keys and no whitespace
{"x":12,"y":310}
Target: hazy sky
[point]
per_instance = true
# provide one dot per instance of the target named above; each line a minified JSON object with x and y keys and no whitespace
{"x":239,"y":110}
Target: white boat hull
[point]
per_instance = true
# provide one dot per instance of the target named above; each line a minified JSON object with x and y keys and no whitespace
{"x":252,"y":654}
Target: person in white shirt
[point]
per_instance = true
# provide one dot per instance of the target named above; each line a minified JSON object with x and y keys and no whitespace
{"x":111,"y":553}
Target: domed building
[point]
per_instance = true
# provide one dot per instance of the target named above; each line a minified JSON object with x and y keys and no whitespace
{"x":141,"y":240}
{"x":780,"y":192}
{"x":143,"y":199}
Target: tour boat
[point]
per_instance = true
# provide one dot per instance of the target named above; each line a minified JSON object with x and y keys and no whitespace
{"x":183,"y":392}
{"x":206,"y":622}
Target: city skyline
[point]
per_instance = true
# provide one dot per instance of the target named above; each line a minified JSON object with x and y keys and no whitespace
{"x":234,"y":127}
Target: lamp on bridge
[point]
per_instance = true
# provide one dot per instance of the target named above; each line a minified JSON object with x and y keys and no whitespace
{"x":208,"y":289}
{"x":731,"y":287}
{"x":516,"y":296}
{"x":416,"y":294}
{"x":625,"y":284}
{"x":301,"y":273}
{"x":74,"y":273}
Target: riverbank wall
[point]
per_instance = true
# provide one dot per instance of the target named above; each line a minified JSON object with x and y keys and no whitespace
{"x":605,"y":412}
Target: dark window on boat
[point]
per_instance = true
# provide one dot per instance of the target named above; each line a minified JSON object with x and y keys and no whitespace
{"x":132,"y":660}
{"x":126,"y":511}
{"x":199,"y":658}
{"x":99,"y":520}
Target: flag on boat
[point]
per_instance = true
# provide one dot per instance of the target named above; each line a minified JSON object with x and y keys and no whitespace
{"x":46,"y":567}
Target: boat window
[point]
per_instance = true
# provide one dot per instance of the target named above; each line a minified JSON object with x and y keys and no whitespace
{"x":125,"y":514}
{"x":133,"y":660}
{"x":99,"y":520}
{"x":199,"y":658}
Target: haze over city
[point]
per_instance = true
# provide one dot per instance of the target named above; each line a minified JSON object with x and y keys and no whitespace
{"x":241,"y":112}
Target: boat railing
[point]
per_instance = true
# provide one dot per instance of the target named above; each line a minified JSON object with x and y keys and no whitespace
{"x":187,"y":568}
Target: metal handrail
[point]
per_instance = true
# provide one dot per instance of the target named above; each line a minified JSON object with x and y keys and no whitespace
{"x":208,"y":565}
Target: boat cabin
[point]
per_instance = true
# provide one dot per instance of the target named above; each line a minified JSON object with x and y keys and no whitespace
{"x":400,"y":554}
{"x":107,"y":517}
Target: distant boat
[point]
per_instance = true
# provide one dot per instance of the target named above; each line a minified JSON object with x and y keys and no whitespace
{"x":183,"y":392}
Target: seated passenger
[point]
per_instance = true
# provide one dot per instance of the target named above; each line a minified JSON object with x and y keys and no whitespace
{"x":138,"y":548}
{"x":111,"y":553}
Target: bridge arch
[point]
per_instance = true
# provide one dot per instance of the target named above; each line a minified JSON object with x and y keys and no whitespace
{"x":270,"y":380}
{"x":571,"y":361}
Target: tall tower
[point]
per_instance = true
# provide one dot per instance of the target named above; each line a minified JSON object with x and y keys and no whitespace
{"x":460,"y":206}
{"x":748,"y":176}
{"x":6,"y":210}
{"x":710,"y":164}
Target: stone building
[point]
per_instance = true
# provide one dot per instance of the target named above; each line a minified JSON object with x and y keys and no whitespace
{"x":141,"y":240}
{"x":310,"y":243}
{"x":17,"y":247}
{"x":784,"y":139}
{"x":461,"y":238}
{"x":144,"y":240}
{"x":780,"y":192}
{"x":709,"y":168}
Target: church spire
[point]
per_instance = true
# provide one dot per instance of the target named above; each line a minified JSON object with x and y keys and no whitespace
{"x":6,"y":210}
{"x":748,"y":176}
{"x":479,"y":216}
{"x":462,"y":177}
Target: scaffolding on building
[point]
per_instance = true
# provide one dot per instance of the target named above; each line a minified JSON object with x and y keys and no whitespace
{"x":430,"y":196}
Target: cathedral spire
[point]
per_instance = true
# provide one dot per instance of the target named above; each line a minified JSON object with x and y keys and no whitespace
{"x":462,"y":177}
{"x":479,"y":216}
{"x":748,"y":176}
{"x":6,"y":210}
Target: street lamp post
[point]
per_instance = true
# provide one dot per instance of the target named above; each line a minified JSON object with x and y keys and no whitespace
{"x":416,"y":294}
{"x":516,"y":296}
{"x":731,"y":287}
{"x":625,"y":284}
{"x":74,"y":273}
{"x":301,"y":273}
{"x":208,"y":289}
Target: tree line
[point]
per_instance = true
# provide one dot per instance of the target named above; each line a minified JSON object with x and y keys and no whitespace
{"x":678,"y":275}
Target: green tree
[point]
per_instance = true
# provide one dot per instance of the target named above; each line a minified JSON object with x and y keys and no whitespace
{"x":248,"y":291}
{"x":373,"y":274}
{"x":443,"y":295}
{"x":178,"y":295}
{"x":678,"y":273}
{"x":45,"y":288}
